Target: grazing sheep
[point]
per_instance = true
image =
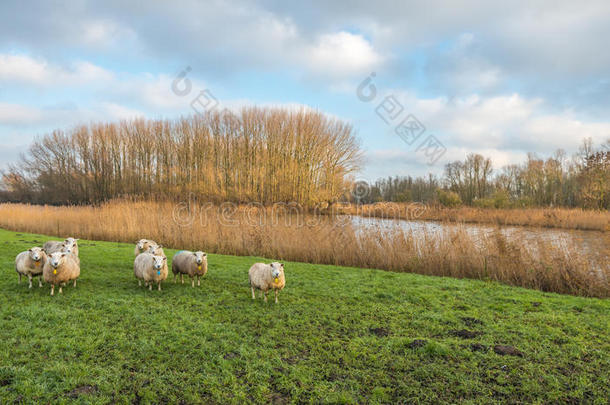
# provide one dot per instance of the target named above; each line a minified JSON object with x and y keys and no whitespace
{"x":193,"y":264}
{"x":267,"y":277}
{"x":30,"y":264}
{"x":142,"y":246}
{"x":69,"y":245}
{"x":150,"y":269}
{"x":61,"y":268}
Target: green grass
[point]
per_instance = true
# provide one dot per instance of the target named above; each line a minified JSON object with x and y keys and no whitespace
{"x":339,"y":335}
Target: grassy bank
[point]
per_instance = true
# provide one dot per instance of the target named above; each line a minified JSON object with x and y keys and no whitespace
{"x":564,"y":218}
{"x":338,"y":335}
{"x":563,"y":268}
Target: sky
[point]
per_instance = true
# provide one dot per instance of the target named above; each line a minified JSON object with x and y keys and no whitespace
{"x":422,"y":83}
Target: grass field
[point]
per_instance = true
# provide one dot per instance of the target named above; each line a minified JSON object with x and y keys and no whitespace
{"x":339,"y":335}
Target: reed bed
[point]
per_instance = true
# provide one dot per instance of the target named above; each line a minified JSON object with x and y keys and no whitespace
{"x":566,"y":218}
{"x":326,"y":239}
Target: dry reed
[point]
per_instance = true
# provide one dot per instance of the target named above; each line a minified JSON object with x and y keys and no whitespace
{"x":566,"y":218}
{"x":325,"y":240}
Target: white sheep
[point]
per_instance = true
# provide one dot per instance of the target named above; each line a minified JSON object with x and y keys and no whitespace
{"x":69,"y":245}
{"x":156,"y":250}
{"x":61,"y":268}
{"x":30,"y":264}
{"x":267,"y":277}
{"x":193,"y":264}
{"x":150,"y":269}
{"x":142,"y":246}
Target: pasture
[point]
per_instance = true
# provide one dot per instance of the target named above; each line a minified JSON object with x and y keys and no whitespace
{"x":339,"y":334}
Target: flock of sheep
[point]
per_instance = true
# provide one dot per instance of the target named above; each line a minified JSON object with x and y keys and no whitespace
{"x":58,"y":264}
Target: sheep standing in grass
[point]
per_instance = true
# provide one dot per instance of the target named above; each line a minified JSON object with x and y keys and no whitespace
{"x":267,"y":277}
{"x":30,"y":264}
{"x":150,"y":269}
{"x":69,"y":245}
{"x":193,"y":264}
{"x":61,"y":268}
{"x":142,"y":246}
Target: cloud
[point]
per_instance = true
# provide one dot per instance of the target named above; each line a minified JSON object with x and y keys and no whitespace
{"x":39,"y":72}
{"x":340,"y":55}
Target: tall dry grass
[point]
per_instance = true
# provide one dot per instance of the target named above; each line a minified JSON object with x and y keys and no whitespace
{"x":327,"y":240}
{"x":566,"y":218}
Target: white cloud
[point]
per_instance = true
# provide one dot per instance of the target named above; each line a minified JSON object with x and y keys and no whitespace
{"x":37,"y":71}
{"x":341,"y":54}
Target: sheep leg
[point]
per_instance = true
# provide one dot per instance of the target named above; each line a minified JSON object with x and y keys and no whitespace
{"x":30,"y":280}
{"x":74,"y":283}
{"x":265,"y":296}
{"x":159,"y":285}
{"x":198,"y":281}
{"x":175,"y":275}
{"x":253,"y":295}
{"x":139,"y":283}
{"x":150,"y":287}
{"x":276,"y":292}
{"x":60,"y":289}
{"x":19,"y":282}
{"x":182,"y":278}
{"x":52,"y":289}
{"x":39,"y":282}
{"x":192,"y":281}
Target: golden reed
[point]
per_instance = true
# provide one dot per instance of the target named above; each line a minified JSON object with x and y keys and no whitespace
{"x":325,"y":239}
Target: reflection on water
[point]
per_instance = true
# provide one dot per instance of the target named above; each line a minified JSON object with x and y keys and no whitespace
{"x":594,"y":243}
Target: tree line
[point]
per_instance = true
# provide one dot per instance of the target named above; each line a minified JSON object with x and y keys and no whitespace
{"x":263,"y":155}
{"x":582,"y":180}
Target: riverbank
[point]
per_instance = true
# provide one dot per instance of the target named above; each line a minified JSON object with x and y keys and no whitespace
{"x":322,"y":239}
{"x":339,"y":335}
{"x":564,"y":218}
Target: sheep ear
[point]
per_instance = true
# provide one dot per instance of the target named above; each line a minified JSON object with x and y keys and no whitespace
{"x":165,"y":259}
{"x":205,"y":255}
{"x":282,"y":265}
{"x":29,"y":250}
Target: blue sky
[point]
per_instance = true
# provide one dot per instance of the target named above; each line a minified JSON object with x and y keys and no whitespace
{"x":497,"y":79}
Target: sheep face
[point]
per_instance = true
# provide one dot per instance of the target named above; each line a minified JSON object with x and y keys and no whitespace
{"x":158,"y":263}
{"x":67,"y":248}
{"x":155,"y":249}
{"x":141,"y":244}
{"x":35,"y":254}
{"x":56,"y":259}
{"x":200,"y":257}
{"x":276,"y":269}
{"x":70,"y":243}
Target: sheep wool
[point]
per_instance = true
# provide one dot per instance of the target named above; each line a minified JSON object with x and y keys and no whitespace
{"x":30,"y":264}
{"x":267,"y":277}
{"x":150,"y":269}
{"x":192,"y":264}
{"x":61,"y":268}
{"x":142,"y":246}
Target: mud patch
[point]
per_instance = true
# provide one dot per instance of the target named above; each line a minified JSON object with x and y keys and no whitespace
{"x":381,"y":332}
{"x":470,"y":321}
{"x":505,"y":350}
{"x":417,"y":343}
{"x":466,"y":334}
{"x":82,"y":390}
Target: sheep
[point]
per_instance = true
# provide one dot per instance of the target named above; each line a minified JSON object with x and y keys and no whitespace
{"x":61,"y":268}
{"x":142,"y":246}
{"x":150,"y":269}
{"x":30,"y":264}
{"x":156,"y":250}
{"x":193,"y":264}
{"x":69,"y":245}
{"x":266,"y":277}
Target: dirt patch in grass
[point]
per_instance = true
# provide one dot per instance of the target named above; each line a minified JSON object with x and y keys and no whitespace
{"x":506,"y":350}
